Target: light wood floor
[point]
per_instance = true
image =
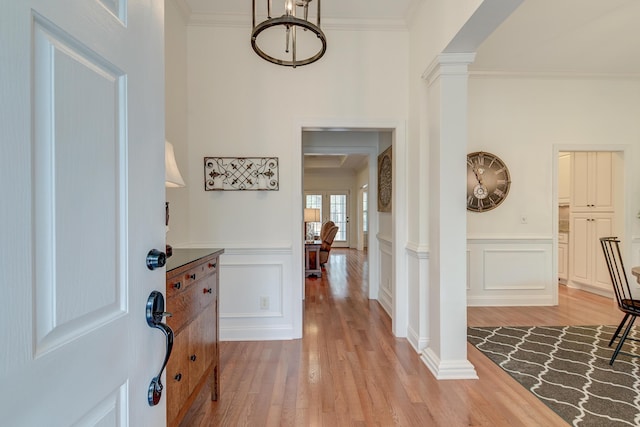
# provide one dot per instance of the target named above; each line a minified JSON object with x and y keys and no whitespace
{"x":349,"y":370}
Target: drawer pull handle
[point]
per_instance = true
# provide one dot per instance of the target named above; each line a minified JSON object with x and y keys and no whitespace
{"x":212,"y":265}
{"x":207,"y":291}
{"x":178,"y":377}
{"x":177,"y":285}
{"x":191,"y":276}
{"x":193,"y":358}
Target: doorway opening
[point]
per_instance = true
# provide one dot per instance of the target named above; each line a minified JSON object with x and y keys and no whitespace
{"x":590,"y":204}
{"x":386,"y":231}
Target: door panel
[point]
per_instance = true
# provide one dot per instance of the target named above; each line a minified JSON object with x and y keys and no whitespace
{"x":84,"y":94}
{"x":339,"y":213}
{"x":83,"y":122}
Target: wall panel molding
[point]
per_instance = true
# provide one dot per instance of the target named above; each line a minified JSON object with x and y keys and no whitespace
{"x":515,"y":271}
{"x":280,"y":248}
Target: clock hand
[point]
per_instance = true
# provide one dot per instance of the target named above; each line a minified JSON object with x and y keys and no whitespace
{"x":478,"y":176}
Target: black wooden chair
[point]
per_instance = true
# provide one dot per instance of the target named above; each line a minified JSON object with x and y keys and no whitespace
{"x":626,"y":303}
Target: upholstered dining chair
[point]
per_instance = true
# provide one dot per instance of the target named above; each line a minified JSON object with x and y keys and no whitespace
{"x":325,"y":228}
{"x":626,"y":302}
{"x":327,"y":241}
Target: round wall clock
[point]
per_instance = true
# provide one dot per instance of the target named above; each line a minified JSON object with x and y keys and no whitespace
{"x":488,"y":181}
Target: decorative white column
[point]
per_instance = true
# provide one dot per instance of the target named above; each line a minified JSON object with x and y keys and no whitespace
{"x":446,"y":354}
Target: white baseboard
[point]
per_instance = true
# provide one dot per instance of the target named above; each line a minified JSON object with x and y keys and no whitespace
{"x":450,"y":369}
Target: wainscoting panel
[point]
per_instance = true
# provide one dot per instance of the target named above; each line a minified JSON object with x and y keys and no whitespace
{"x":515,"y":272}
{"x":509,"y":269}
{"x":418,"y":298}
{"x":257,"y":288}
{"x":263,"y":282}
{"x":385,"y":292}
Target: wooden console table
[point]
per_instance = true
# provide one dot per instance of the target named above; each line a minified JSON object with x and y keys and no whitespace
{"x":312,"y":259}
{"x":192,"y":299}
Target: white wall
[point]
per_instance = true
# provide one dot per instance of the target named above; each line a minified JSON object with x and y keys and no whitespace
{"x":362,"y":180}
{"x":175,"y":33}
{"x":241,"y":105}
{"x":524,"y":119}
{"x":432,"y":25}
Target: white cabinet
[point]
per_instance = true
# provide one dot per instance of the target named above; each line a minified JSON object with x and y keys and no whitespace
{"x":564,"y":178}
{"x":563,"y":259}
{"x":592,"y":182}
{"x":587,"y":265}
{"x":592,"y":216}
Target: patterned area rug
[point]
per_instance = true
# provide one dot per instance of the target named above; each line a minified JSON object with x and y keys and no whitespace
{"x":567,"y":367}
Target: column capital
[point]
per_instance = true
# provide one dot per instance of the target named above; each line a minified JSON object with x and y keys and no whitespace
{"x":450,"y":64}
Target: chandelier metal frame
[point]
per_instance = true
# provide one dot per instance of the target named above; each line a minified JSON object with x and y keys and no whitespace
{"x":290,"y":22}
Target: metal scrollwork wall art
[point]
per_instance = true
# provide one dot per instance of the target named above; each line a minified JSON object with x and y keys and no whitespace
{"x":241,"y":173}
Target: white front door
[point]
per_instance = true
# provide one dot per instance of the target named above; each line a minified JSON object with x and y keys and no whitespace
{"x":81,"y":166}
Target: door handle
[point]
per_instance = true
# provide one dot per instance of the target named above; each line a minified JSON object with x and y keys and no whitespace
{"x":156,"y":259}
{"x":155,"y":312}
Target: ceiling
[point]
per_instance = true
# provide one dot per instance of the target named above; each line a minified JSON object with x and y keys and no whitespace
{"x":574,"y":37}
{"x":550,"y":36}
{"x":588,"y":37}
{"x":347,"y":162}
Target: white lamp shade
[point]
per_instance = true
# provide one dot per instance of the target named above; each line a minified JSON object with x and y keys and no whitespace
{"x":172,"y":173}
{"x":311,"y":215}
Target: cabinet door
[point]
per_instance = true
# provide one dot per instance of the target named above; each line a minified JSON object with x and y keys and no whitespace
{"x":196,"y":352}
{"x":177,"y":377}
{"x":210,"y":323}
{"x":591,"y":182}
{"x":562,"y":261}
{"x":602,"y":191}
{"x":602,"y":226}
{"x":579,"y":252}
{"x":564,"y":178}
{"x":587,"y":264}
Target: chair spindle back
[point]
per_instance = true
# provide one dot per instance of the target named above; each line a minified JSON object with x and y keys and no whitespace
{"x":613,"y":257}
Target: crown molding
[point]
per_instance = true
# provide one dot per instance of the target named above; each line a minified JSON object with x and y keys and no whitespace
{"x":448,"y":64}
{"x":549,"y":75}
{"x":184,"y":8}
{"x":244,"y":21}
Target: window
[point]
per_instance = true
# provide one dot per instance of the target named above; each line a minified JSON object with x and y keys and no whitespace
{"x":365,"y":212}
{"x":314,"y":201}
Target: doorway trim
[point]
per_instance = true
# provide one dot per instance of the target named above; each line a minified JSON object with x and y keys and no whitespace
{"x":399,"y":314}
{"x":625,"y":221}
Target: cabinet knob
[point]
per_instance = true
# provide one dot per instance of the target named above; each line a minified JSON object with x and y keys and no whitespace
{"x":177,"y":285}
{"x":178,"y":377}
{"x":191,"y":276}
{"x":207,"y":291}
{"x":193,"y":358}
{"x":212,"y":265}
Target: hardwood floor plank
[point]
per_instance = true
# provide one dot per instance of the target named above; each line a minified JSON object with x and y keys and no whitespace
{"x":349,"y":370}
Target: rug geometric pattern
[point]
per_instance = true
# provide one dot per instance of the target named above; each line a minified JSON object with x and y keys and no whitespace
{"x":567,"y":367}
